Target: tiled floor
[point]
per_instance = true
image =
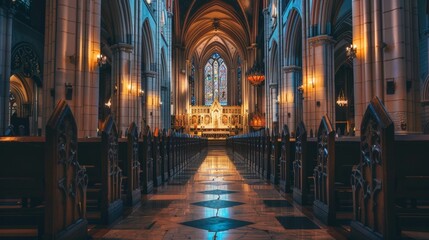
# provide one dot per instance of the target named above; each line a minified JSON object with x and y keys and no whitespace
{"x":216,"y":200}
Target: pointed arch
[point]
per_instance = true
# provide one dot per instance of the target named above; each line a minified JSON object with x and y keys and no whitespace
{"x":321,"y":13}
{"x":293,"y":39}
{"x":116,"y":16}
{"x":425,"y":90}
{"x":147,"y":47}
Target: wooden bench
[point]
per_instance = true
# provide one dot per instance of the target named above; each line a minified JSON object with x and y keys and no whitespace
{"x":45,"y":178}
{"x":303,"y":165}
{"x":335,"y":158}
{"x":287,"y":156}
{"x":130,"y":165}
{"x":266,"y":155}
{"x":275,"y":158}
{"x":164,"y":151}
{"x":156,"y":156}
{"x":390,"y":183}
{"x":146,"y":160}
{"x":100,"y":156}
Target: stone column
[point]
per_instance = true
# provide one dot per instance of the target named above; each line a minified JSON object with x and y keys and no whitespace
{"x":290,"y":104}
{"x":152,"y":100}
{"x":319,"y":85}
{"x":386,"y":63}
{"x":6,"y":20}
{"x":71,"y":47}
{"x":127,"y":87}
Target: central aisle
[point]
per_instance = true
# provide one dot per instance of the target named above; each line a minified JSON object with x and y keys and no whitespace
{"x":217,"y":199}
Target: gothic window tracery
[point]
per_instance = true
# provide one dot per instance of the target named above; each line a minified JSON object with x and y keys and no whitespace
{"x":215,"y":81}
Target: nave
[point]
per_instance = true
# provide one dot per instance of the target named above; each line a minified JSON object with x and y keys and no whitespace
{"x":217,"y":198}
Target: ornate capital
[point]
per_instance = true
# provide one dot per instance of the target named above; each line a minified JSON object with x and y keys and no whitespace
{"x":123,"y":47}
{"x":291,"y":68}
{"x":321,"y":40}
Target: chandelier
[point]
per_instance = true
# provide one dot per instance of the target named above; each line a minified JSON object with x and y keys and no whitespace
{"x":257,"y":121}
{"x":255,"y":75}
{"x":342,"y":100}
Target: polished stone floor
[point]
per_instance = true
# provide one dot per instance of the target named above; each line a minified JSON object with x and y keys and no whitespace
{"x":216,"y":198}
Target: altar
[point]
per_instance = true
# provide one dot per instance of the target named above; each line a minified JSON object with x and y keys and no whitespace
{"x":215,"y":121}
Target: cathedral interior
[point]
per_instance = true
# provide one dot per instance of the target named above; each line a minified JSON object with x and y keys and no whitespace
{"x":214,"y":119}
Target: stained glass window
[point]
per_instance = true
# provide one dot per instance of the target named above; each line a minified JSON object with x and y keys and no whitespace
{"x":216,"y":81}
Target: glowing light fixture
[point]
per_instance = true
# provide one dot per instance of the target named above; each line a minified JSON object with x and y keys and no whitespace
{"x":342,"y":100}
{"x":255,"y":75}
{"x":351,"y":51}
{"x":101,"y":60}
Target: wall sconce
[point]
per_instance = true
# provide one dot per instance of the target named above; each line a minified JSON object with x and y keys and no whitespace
{"x":141,"y":93}
{"x":72,"y":59}
{"x":69,"y":91}
{"x":301,"y":89}
{"x":109,"y":103}
{"x":101,"y":60}
{"x":351,"y":51}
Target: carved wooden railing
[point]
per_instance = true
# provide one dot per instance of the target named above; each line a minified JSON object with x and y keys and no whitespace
{"x":372,"y":185}
{"x":111,"y":173}
{"x":156,"y":156}
{"x":66,"y":181}
{"x":146,"y":159}
{"x":266,"y":164}
{"x":285,"y":161}
{"x":275,"y":158}
{"x":164,"y":151}
{"x":300,"y":186}
{"x":324,"y":172}
{"x":132,"y":166}
{"x":171,"y":154}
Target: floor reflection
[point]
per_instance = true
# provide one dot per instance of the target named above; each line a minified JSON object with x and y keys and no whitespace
{"x":215,"y":199}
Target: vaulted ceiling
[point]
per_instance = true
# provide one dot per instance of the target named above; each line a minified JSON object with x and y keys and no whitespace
{"x":226,"y":26}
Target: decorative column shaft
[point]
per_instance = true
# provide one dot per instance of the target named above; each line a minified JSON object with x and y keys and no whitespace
{"x":290,"y":102}
{"x":319,"y":85}
{"x":6,"y":19}
{"x":128,"y":87}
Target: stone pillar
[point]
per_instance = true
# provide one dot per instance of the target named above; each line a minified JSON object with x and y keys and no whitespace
{"x":72,"y":43}
{"x":319,"y":85}
{"x":274,"y":105}
{"x":152,"y":100}
{"x":127,"y":93}
{"x":386,"y":63}
{"x":6,"y":20}
{"x":290,"y":103}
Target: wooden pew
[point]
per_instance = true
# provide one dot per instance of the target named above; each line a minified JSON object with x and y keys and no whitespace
{"x":332,"y":172}
{"x":275,"y":158}
{"x":156,"y":156}
{"x":287,"y":156}
{"x":266,"y":155}
{"x":171,"y":154}
{"x":303,"y":165}
{"x":392,"y":171}
{"x":46,"y":177}
{"x":100,"y":156}
{"x":130,"y":165}
{"x":146,"y":161}
{"x":165,"y":141}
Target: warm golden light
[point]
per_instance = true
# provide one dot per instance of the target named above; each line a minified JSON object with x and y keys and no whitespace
{"x":351,"y":51}
{"x":101,"y":60}
{"x":342,"y":100}
{"x":255,"y":75}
